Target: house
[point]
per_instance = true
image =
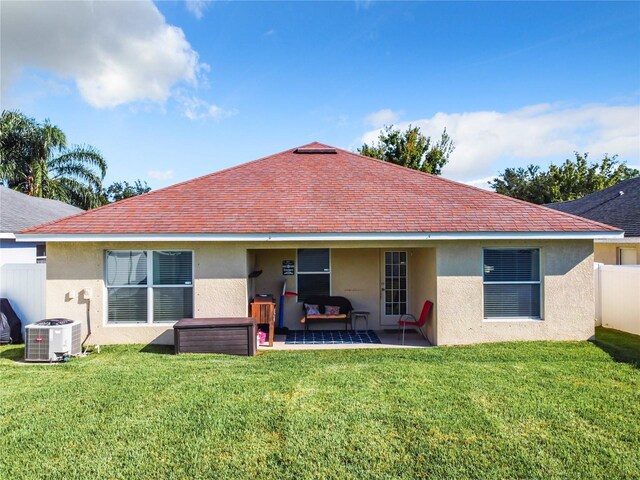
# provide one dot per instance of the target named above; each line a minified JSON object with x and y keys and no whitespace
{"x":619,"y":206}
{"x":19,"y":211}
{"x":325,"y":220}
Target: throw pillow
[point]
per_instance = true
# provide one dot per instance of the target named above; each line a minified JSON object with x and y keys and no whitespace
{"x":331,"y":310}
{"x":312,"y":309}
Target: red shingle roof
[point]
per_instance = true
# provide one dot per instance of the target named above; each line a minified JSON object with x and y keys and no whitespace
{"x":318,"y":191}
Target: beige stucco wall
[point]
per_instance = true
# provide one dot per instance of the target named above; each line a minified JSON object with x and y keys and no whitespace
{"x":355,"y":274}
{"x":607,"y":253}
{"x":271,"y":279}
{"x":423,"y":286}
{"x":568,"y":308}
{"x":220,"y":287}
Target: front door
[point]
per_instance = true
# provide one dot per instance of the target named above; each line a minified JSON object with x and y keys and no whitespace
{"x":394,"y":298}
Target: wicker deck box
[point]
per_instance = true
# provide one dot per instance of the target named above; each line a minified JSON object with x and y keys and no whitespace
{"x":235,"y":336}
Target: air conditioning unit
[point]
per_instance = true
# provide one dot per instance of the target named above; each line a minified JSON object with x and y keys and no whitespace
{"x":52,"y":340}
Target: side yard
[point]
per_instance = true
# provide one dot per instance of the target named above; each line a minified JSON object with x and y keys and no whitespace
{"x":527,"y":410}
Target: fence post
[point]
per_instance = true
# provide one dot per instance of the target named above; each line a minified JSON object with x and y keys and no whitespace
{"x":597,"y":280}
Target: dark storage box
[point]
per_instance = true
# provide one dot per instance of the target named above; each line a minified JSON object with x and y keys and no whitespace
{"x":235,"y":336}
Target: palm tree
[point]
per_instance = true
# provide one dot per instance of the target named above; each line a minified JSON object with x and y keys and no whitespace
{"x":35,"y":159}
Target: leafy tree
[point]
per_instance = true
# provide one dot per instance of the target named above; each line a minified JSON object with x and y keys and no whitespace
{"x":35,"y":159}
{"x":120,"y":190}
{"x":568,"y":181}
{"x":411,"y":149}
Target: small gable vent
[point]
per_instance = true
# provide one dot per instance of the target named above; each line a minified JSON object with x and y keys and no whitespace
{"x":315,"y":150}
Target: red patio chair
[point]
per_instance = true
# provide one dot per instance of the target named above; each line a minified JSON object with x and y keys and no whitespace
{"x":408,"y":320}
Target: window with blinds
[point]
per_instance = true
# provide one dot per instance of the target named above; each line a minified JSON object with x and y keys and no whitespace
{"x":314,"y":272}
{"x":149,"y":286}
{"x":512,"y":283}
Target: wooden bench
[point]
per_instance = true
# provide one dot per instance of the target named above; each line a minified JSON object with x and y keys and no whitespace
{"x":236,"y":336}
{"x":322,"y":301}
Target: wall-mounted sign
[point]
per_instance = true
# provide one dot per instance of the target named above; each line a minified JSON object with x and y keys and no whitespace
{"x":288,"y":267}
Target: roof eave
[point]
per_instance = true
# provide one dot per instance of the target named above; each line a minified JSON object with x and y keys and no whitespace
{"x":292,"y":237}
{"x":619,"y":240}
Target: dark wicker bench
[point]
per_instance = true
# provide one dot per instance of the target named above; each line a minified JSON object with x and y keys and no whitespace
{"x":322,"y":301}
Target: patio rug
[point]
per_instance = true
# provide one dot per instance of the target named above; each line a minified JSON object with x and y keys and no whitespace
{"x":299,"y":337}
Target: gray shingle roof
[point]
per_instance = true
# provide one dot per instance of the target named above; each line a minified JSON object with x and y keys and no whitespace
{"x":19,"y":211}
{"x":609,"y":206}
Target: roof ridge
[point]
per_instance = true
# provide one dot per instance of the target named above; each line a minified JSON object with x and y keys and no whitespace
{"x":483,"y":191}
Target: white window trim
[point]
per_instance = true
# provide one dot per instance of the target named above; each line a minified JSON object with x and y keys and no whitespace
{"x":149,"y":286}
{"x":316,"y":273}
{"x":539,"y":282}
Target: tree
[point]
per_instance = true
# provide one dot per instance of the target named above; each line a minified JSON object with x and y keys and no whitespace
{"x":571,"y":180}
{"x":35,"y":159}
{"x":121,"y":190}
{"x":411,"y":149}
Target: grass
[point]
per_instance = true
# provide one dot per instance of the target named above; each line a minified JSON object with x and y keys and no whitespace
{"x":518,"y":410}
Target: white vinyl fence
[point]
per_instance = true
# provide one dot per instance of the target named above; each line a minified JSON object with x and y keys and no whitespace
{"x":24,"y":284}
{"x":617,"y":290}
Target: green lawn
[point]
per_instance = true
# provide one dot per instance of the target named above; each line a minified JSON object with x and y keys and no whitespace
{"x":525,"y":410}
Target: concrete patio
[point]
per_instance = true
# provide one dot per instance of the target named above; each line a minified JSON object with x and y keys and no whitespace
{"x":389,"y":339}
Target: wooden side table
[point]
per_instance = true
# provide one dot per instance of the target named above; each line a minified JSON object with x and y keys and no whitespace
{"x":263,"y":309}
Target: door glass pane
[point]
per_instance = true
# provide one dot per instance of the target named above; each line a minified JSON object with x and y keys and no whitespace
{"x":171,"y":304}
{"x":172,"y":268}
{"x":126,"y":268}
{"x":127,"y":305}
{"x":395,"y":283}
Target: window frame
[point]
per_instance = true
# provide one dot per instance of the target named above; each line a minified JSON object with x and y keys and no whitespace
{"x":313,"y":273}
{"x":41,"y":258}
{"x":383,"y":282}
{"x":619,"y":255}
{"x":149,"y":287}
{"x":528,"y":282}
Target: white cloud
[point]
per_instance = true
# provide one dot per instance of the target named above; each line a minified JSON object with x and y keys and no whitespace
{"x":270,"y":33}
{"x":485,"y":138}
{"x":383,"y":117}
{"x":481,"y":182}
{"x":115,"y":52}
{"x":196,"y":108}
{"x":160,"y":175}
{"x":197,"y":7}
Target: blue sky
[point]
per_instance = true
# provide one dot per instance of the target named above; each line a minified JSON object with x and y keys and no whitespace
{"x":172,"y":90}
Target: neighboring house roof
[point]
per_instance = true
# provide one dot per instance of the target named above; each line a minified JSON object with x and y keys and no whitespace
{"x":318,"y":189}
{"x":19,"y":211}
{"x":618,"y":205}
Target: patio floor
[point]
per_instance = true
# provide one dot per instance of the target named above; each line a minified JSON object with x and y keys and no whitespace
{"x":388,"y":339}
